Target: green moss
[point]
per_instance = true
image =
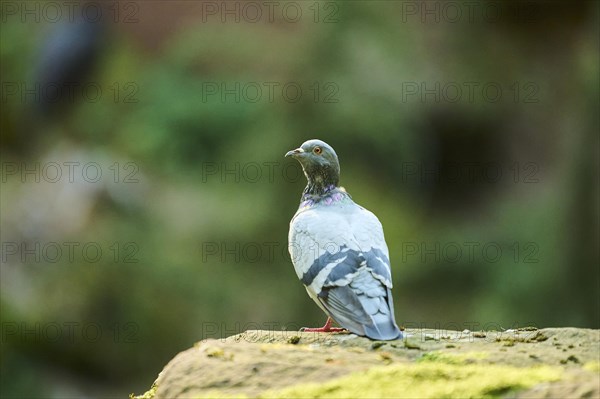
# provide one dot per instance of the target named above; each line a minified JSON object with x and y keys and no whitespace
{"x":218,"y":353}
{"x":411,"y":344}
{"x":535,"y":338}
{"x":594,"y":367}
{"x":377,"y":344}
{"x":149,"y":394}
{"x":293,"y":340}
{"x":529,"y":328}
{"x":428,"y":379}
{"x":449,"y":358}
{"x":571,"y":358}
{"x":220,"y":395}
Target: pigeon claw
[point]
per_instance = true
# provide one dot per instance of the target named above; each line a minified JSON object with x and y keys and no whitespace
{"x":325,"y":329}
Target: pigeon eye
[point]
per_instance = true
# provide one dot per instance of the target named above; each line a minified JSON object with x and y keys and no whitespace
{"x":317,"y":150}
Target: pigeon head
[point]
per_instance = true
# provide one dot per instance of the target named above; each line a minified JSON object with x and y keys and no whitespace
{"x":320,"y":164}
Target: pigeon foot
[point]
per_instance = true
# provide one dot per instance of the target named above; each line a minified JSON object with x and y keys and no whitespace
{"x":325,"y":329}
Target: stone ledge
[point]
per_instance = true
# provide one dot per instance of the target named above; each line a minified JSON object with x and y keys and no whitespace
{"x":552,"y":362}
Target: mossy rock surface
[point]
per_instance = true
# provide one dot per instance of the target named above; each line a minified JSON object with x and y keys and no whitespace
{"x":525,"y":363}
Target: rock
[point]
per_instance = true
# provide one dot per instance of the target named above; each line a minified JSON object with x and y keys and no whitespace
{"x":523,"y":363}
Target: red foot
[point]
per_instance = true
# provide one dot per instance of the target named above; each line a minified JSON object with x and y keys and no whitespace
{"x":322,"y":329}
{"x":325,"y":329}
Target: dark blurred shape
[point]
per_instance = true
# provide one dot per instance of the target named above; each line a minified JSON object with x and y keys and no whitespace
{"x":66,"y":61}
{"x":463,"y":154}
{"x":541,"y":16}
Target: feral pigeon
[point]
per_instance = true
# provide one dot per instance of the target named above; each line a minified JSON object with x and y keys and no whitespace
{"x":339,"y":252}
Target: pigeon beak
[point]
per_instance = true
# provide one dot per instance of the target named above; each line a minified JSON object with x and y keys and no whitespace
{"x":295,"y":152}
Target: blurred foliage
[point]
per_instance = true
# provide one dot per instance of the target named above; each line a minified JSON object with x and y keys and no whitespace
{"x":178,"y":292}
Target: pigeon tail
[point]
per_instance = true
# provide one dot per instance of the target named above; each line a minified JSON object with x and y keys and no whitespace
{"x":380,"y":307}
{"x":376,"y":299}
{"x":383,"y":328}
{"x":370,"y":316}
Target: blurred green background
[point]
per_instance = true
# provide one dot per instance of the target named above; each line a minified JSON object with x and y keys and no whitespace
{"x":469,"y":128}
